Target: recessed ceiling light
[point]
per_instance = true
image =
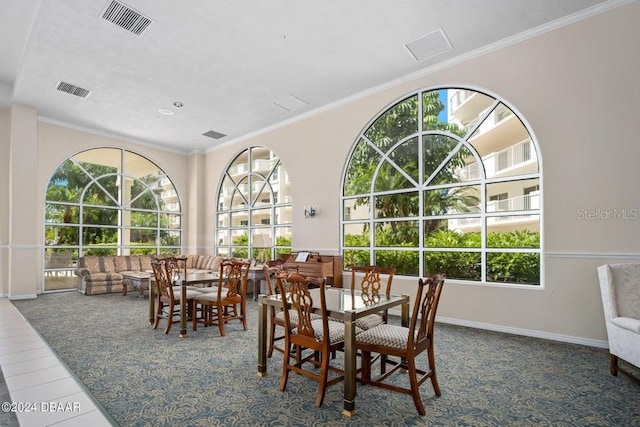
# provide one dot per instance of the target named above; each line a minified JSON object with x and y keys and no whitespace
{"x":165,"y":112}
{"x":178,"y":104}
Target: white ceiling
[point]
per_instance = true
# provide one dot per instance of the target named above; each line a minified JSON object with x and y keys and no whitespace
{"x":231,"y":62}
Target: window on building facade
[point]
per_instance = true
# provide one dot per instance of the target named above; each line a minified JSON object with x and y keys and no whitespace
{"x":446,"y":180}
{"x":107,"y":201}
{"x":254,"y":207}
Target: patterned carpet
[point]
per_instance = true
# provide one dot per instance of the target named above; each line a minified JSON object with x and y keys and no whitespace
{"x":145,"y":378}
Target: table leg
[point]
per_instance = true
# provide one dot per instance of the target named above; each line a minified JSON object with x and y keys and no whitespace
{"x":183,"y":311}
{"x":152,"y":302}
{"x":349,"y":365}
{"x":262,"y":337}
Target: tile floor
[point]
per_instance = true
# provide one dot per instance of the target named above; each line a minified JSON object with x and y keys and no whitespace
{"x":35,"y":379}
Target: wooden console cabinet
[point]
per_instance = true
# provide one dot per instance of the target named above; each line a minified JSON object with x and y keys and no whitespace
{"x":317,"y":265}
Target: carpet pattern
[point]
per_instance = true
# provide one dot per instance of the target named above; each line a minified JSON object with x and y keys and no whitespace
{"x":145,"y":378}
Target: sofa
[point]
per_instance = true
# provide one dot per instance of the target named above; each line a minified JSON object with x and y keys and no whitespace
{"x":115,"y":274}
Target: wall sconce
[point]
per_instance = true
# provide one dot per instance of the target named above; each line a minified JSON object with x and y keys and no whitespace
{"x":309,"y":213}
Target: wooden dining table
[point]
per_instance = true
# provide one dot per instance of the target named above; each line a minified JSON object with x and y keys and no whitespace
{"x":208,"y":278}
{"x":342,"y":304}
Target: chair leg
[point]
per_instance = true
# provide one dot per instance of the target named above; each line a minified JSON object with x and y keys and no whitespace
{"x":285,"y":368}
{"x":221,"y":316}
{"x":613,"y":360}
{"x":157,"y":319}
{"x":432,"y":366}
{"x":272,"y":338}
{"x":415,"y":390}
{"x":322,"y":387}
{"x":169,"y":321}
{"x":366,"y":365}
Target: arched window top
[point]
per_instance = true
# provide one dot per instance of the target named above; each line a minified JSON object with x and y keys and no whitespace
{"x":445,"y":180}
{"x":110,"y":201}
{"x":254,"y":206}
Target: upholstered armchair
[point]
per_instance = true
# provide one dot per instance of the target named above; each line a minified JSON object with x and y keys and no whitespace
{"x":620,"y":289}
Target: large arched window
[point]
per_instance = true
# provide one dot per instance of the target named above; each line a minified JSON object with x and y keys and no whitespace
{"x":254,"y":207}
{"x":107,"y":201}
{"x":445,"y":180}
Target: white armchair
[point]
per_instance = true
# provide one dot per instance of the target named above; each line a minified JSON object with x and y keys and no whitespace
{"x":620,"y":289}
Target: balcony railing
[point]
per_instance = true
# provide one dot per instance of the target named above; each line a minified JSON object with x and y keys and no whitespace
{"x":459,"y":97}
{"x":494,"y":163}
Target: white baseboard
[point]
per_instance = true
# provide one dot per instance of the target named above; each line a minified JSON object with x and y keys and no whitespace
{"x":19,"y":297}
{"x":525,"y":332}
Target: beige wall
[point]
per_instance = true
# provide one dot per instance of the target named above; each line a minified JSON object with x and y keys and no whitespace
{"x":577,"y":89}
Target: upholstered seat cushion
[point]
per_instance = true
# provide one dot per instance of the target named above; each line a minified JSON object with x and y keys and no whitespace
{"x":336,"y":330}
{"x":212,"y":296}
{"x":191,"y":294}
{"x":627,"y":323}
{"x":208,"y":290}
{"x":369,"y":321}
{"x":385,"y":335}
{"x":293,"y":316}
{"x":103,"y":277}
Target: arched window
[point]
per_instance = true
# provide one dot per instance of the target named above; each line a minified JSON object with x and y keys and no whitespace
{"x":445,"y":180}
{"x":107,"y":201}
{"x":254,"y":207}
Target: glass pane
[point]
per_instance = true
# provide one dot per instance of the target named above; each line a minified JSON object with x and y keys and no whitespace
{"x":67,"y":183}
{"x":505,"y":145}
{"x":222,"y":237}
{"x":240,"y":166}
{"x":100,"y":216}
{"x":99,"y":235}
{"x":356,"y":209}
{"x":356,"y":257}
{"x":60,"y":258}
{"x":356,"y":234}
{"x":100,"y":161}
{"x":141,"y":168}
{"x":456,"y":265}
{"x":453,"y":200}
{"x":170,"y":221}
{"x":436,"y":148}
{"x":142,"y":250}
{"x":406,"y":263}
{"x":397,"y":233}
{"x":281,"y":185}
{"x":513,"y":267}
{"x":239,"y":237}
{"x":395,"y":124}
{"x":390,"y":178}
{"x":226,"y":192}
{"x":242,"y":192}
{"x":396,"y":205}
{"x":283,"y":236}
{"x":145,"y":237}
{"x":240,"y":252}
{"x":261,"y":217}
{"x":446,"y":233}
{"x":466,"y":107}
{"x":262,"y":195}
{"x":521,"y":231}
{"x":102,"y":193}
{"x":240,"y":219}
{"x":143,"y":197}
{"x":100,"y":251}
{"x":435,"y":113}
{"x":223,"y":220}
{"x":511,"y":196}
{"x":362,"y":166}
{"x":283,"y":215}
{"x":222,"y":251}
{"x":170,"y":237}
{"x":461,"y":167}
{"x":405,"y":156}
{"x":56,"y":235}
{"x":66,"y":214}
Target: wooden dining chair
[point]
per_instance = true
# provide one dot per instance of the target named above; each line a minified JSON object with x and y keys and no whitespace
{"x":319,"y":336}
{"x":371,"y":280}
{"x":168,"y":298}
{"x":229,"y":302}
{"x":276,"y":315}
{"x":405,"y":344}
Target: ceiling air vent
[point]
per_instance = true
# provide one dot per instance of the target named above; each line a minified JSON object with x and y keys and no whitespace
{"x":429,"y":45}
{"x":73,"y":89}
{"x":125,"y":17}
{"x":213,"y":134}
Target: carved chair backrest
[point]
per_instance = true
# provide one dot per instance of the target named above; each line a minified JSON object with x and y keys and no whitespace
{"x":296,"y":288}
{"x":374,"y":279}
{"x":424,"y":310}
{"x":233,"y":279}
